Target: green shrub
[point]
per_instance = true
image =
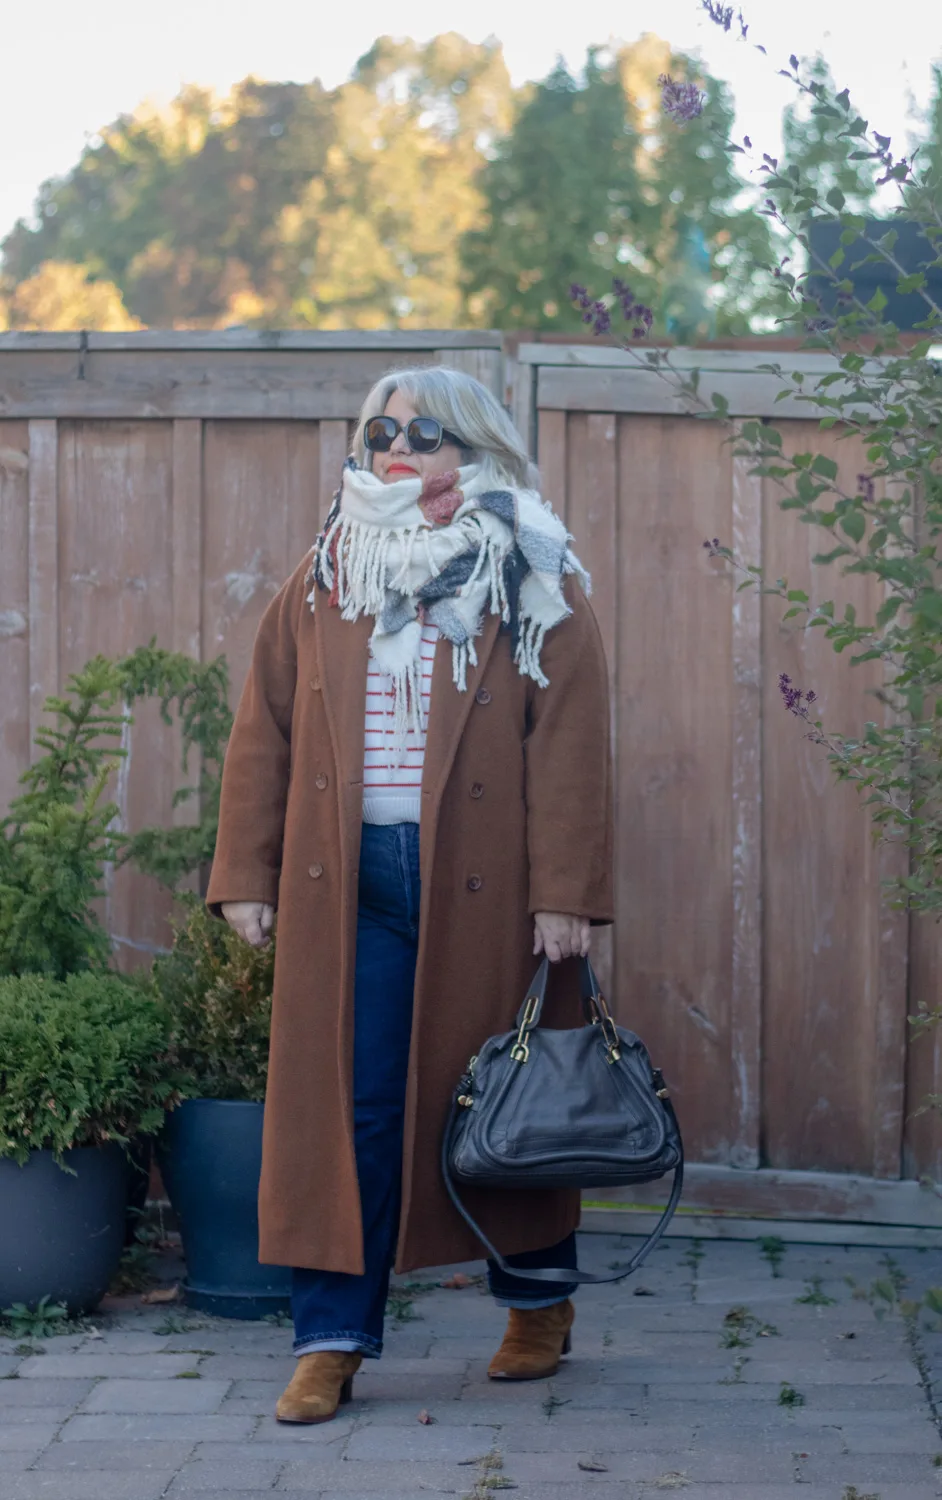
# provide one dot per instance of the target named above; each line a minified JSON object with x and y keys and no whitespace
{"x":62,"y":832}
{"x":82,"y":1061}
{"x":216,"y":990}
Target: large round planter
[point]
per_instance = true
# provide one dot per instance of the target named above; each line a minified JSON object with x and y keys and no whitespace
{"x":62,"y":1232}
{"x":210,"y":1155}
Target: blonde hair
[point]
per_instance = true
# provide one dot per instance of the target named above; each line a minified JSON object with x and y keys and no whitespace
{"x":466,"y":408}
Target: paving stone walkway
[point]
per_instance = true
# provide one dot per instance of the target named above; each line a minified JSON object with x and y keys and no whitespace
{"x":721,"y":1371}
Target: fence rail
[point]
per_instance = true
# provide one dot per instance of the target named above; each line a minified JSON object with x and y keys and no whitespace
{"x":164,"y":484}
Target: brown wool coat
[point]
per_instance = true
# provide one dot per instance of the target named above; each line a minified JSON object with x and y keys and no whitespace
{"x":516,"y":818}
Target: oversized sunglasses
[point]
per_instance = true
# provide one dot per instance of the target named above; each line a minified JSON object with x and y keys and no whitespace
{"x":423,"y":434}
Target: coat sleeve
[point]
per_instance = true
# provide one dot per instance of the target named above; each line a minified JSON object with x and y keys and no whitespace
{"x":569,"y":773}
{"x":247,"y":859}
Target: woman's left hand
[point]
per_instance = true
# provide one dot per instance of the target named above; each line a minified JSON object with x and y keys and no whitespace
{"x":560,"y":936}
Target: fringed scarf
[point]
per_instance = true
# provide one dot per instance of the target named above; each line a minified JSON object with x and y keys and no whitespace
{"x":452,"y":550}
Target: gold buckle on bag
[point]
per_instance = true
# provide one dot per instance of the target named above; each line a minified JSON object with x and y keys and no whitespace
{"x":603,"y":1020}
{"x":520,"y":1050}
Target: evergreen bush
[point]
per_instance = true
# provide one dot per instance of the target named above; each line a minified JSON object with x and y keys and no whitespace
{"x":216,"y":992}
{"x":62,"y":833}
{"x":83,"y":1061}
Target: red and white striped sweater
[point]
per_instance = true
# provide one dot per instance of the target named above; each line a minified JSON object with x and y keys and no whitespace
{"x":392,"y":792}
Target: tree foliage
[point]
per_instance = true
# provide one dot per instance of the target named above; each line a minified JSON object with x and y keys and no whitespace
{"x":422,"y":192}
{"x":815,"y":146}
{"x":286,"y":204}
{"x":60,"y":294}
{"x":593,"y":179}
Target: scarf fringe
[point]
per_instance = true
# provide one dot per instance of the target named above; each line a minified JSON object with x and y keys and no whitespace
{"x":529,"y":647}
{"x":377,"y":545}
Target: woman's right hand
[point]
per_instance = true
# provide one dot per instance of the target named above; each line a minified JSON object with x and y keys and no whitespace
{"x":252,"y":920}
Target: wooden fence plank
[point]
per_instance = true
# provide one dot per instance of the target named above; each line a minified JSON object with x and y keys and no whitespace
{"x":284,"y":340}
{"x":187,"y":584}
{"x":795,"y":1195}
{"x":334,"y":449}
{"x":746,"y":790}
{"x":922,"y":1147}
{"x":519,"y":399}
{"x":822,"y":920}
{"x":116,"y":592}
{"x":486,"y":365}
{"x":551,"y":457}
{"x":592,"y":487}
{"x":187,"y":536}
{"x":14,"y":607}
{"x":674,"y":937}
{"x":749,"y":392}
{"x":260,"y":385}
{"x":43,"y":570}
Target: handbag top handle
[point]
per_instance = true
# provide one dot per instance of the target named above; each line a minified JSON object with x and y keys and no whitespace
{"x":532,"y":1007}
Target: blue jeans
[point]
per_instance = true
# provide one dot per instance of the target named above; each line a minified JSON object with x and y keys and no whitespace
{"x":333,"y":1309}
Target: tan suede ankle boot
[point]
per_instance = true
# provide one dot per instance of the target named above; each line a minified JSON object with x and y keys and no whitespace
{"x":322,"y":1382}
{"x":535,"y":1341}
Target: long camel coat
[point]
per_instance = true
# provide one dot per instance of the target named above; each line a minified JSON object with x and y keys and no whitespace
{"x":516,"y":818}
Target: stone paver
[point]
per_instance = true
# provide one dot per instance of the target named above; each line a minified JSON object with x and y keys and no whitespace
{"x":675,"y":1385}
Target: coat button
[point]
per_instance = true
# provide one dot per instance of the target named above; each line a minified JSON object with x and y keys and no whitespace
{"x":474,"y":882}
{"x":316,"y":871}
{"x":477,"y":790}
{"x":320,"y":781}
{"x":482,"y":696}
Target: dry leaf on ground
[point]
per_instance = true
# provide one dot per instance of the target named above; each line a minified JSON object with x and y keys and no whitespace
{"x":162,"y":1294}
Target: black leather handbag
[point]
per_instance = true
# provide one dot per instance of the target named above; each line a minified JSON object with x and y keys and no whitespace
{"x":540,"y":1107}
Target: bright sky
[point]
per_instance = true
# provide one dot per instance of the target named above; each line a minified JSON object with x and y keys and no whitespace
{"x":70,"y":68}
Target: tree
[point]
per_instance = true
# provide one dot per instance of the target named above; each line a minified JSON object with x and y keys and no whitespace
{"x":286,"y":204}
{"x":375,"y":239}
{"x":181,"y":209}
{"x":62,"y":295}
{"x":816,"y":147}
{"x":928,"y":157}
{"x":590,"y":183}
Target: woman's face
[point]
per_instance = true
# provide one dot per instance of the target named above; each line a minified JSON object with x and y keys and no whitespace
{"x":400,"y":462}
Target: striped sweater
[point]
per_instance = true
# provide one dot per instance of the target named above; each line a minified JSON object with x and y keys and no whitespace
{"x":392,"y":792}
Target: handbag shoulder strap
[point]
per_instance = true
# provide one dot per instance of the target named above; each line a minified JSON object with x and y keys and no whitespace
{"x":559,"y":1274}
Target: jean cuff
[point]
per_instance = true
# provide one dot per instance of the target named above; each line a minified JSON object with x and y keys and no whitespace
{"x":524,"y":1304}
{"x":345,"y":1341}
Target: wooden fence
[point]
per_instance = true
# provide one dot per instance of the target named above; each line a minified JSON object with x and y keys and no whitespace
{"x":163,"y":485}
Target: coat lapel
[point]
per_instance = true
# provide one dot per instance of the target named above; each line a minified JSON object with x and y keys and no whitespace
{"x":449,"y":712}
{"x":343,"y":659}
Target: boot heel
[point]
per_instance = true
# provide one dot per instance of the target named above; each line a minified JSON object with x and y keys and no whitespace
{"x":346,"y":1391}
{"x":567,"y":1344}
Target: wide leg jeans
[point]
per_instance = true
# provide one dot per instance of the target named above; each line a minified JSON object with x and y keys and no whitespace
{"x":332,"y":1309}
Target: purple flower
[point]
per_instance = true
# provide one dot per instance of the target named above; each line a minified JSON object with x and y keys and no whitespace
{"x":867,"y":487}
{"x":712,"y":546}
{"x":600,"y":318}
{"x":795,"y":700}
{"x":579,"y":295}
{"x":634,"y":312}
{"x":722,"y":15}
{"x":680,"y":101}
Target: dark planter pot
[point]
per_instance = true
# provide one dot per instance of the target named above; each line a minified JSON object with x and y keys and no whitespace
{"x":62,"y":1235}
{"x":210,"y":1155}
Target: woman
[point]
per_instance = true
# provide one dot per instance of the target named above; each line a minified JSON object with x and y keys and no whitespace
{"x":418,"y":780}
